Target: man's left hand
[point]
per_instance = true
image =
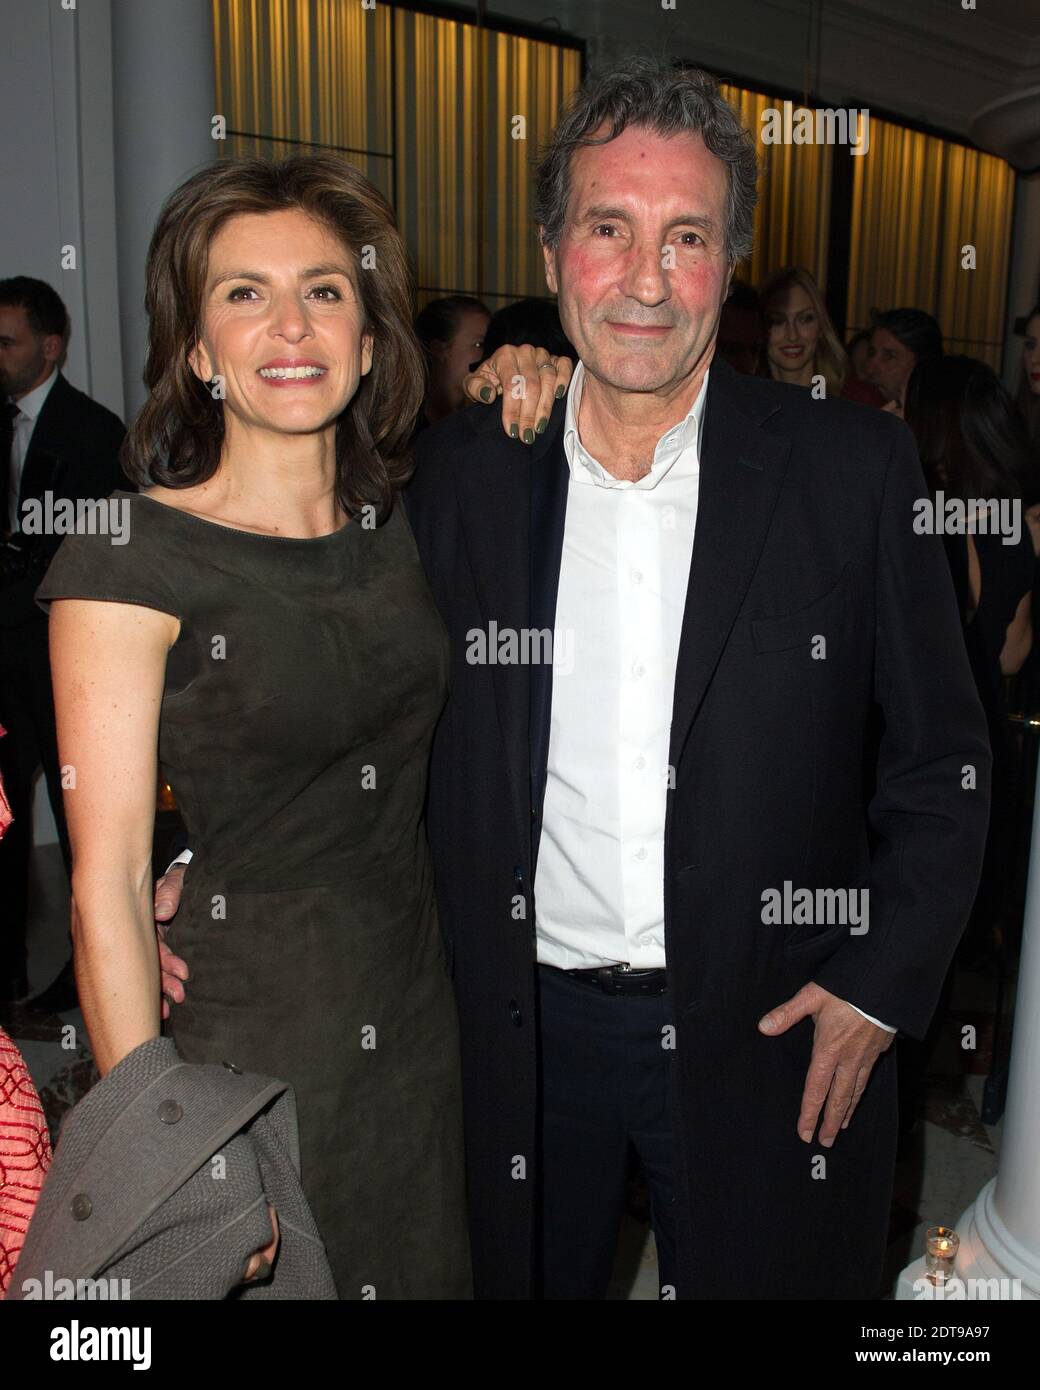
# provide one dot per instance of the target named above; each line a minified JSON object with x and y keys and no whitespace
{"x":845,"y":1047}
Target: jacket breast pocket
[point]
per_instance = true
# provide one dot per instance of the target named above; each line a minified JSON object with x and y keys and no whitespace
{"x":826,"y":617}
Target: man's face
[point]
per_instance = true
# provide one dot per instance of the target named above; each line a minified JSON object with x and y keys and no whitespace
{"x":889,"y":365}
{"x":641,"y":270}
{"x":26,"y":358}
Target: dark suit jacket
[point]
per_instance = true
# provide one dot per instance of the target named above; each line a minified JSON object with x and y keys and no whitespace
{"x":73,"y":453}
{"x":804,"y":529}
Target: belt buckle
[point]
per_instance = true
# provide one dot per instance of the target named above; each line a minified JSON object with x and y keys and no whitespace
{"x":617,"y":974}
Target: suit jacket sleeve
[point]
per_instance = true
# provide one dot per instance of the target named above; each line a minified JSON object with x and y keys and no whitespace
{"x":93,"y":470}
{"x":930,"y":809}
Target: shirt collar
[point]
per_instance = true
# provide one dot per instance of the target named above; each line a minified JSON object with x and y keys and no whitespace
{"x":32,"y":402}
{"x":683,"y":438}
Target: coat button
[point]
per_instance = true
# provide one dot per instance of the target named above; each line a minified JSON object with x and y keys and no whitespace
{"x":515,"y":1014}
{"x":231,"y":1067}
{"x":82,"y":1206}
{"x":518,"y":874}
{"x":170,"y":1112}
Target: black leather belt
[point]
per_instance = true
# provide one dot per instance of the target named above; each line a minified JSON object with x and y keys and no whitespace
{"x":620,"y":979}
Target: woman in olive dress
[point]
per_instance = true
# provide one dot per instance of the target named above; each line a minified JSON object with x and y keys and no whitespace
{"x":266,"y":635}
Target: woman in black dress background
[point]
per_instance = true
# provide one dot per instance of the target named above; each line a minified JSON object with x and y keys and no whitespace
{"x":973,"y":449}
{"x":267,"y":635}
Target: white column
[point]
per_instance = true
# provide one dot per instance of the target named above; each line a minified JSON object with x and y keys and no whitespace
{"x":164,"y":95}
{"x":1000,"y":1231}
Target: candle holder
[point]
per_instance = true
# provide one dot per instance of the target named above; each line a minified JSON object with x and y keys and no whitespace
{"x":940,"y":1253}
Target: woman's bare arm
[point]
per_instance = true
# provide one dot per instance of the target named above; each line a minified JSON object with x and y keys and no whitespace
{"x":1018,"y":639}
{"x":108,"y":662}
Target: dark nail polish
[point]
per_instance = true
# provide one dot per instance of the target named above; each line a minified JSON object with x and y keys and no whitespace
{"x":560,"y":391}
{"x":514,"y":430}
{"x":528,"y":436}
{"x":485,"y":393}
{"x":540,"y":427}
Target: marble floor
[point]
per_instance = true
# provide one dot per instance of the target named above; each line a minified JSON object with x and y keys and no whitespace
{"x":951,"y":1156}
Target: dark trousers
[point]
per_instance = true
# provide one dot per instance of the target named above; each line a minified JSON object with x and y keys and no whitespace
{"x":605,"y":1083}
{"x":27,"y":713}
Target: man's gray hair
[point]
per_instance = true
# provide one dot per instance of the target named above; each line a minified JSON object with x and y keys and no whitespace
{"x":648,"y":92}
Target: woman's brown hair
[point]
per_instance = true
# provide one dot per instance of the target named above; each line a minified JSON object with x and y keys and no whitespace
{"x":176,"y":438}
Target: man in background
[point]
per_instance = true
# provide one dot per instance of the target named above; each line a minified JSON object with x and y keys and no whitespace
{"x":53,"y":439}
{"x":899,"y":339}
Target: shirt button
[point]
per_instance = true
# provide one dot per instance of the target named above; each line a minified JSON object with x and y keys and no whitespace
{"x":641,"y":853}
{"x":638,"y":670}
{"x":640,"y":764}
{"x":637,"y":576}
{"x":82,"y":1206}
{"x":646,"y":941}
{"x":170,"y":1112}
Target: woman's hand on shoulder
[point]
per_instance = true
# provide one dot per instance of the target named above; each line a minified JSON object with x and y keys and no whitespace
{"x":528,"y":379}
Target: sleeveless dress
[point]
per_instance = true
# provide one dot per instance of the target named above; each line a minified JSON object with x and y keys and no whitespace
{"x":297,"y":715}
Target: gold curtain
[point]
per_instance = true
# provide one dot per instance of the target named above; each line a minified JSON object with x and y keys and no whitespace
{"x":917,"y":201}
{"x":794,"y":197}
{"x":425,"y":107}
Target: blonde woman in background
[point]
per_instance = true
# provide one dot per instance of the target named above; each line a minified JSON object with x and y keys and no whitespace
{"x":801,"y":341}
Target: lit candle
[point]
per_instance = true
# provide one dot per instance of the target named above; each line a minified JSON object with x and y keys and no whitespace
{"x":940,"y":1252}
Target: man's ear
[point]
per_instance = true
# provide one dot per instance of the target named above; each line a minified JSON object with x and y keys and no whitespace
{"x":53,"y":345}
{"x":549,"y":257}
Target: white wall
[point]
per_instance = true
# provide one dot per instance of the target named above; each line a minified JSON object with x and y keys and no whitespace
{"x":56,"y":171}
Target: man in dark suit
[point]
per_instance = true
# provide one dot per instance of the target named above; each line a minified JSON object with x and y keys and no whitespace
{"x":691,"y":622}
{"x":674,"y":915}
{"x":56,"y":444}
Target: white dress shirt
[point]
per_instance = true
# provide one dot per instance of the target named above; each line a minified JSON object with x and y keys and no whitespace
{"x":29,"y":407}
{"x":624,"y":569}
{"x":625,"y":564}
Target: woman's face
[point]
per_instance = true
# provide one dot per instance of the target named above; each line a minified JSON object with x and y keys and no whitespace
{"x":794,"y":330}
{"x":452,"y":359}
{"x":282,"y":323}
{"x":1031,"y":354}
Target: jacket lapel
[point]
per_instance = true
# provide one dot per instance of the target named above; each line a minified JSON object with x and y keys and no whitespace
{"x":43,"y":458}
{"x":742,"y":470}
{"x":496,"y":511}
{"x":549,"y":482}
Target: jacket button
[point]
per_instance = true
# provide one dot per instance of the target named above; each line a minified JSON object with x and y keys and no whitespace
{"x":170,"y":1112}
{"x":515,"y":1014}
{"x":82,"y":1206}
{"x":518,"y":874}
{"x":231,"y":1067}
